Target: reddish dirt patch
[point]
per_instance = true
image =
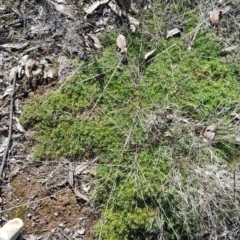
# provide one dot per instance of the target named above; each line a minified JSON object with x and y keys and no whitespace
{"x":33,"y":195}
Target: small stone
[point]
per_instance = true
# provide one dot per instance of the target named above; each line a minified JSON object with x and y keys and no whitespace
{"x":55,"y":214}
{"x":61,"y":225}
{"x":29,"y":215}
{"x":28,"y":157}
{"x":76,"y":236}
{"x":66,"y":231}
{"x":81,"y":231}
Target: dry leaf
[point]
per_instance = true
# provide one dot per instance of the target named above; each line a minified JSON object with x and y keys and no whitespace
{"x":229,"y":49}
{"x":20,"y":128}
{"x":86,"y":187}
{"x":133,"y":21}
{"x":16,"y":46}
{"x":97,"y":43}
{"x":173,"y":32}
{"x":63,"y":9}
{"x":119,"y":11}
{"x":208,"y":136}
{"x":8,"y":91}
{"x":38,"y":71}
{"x":80,"y":195}
{"x":47,"y":70}
{"x":7,"y":38}
{"x":10,"y":34}
{"x":121,"y":43}
{"x":148,"y":54}
{"x":115,"y":8}
{"x":80,"y":168}
{"x":209,"y":133}
{"x":211,"y":128}
{"x":29,"y":65}
{"x":14,"y":171}
{"x":94,"y":6}
{"x":215,"y":16}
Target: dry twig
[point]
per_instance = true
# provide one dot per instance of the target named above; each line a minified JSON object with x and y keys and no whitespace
{"x":10,"y":126}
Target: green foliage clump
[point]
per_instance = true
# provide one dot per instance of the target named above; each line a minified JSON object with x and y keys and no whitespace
{"x":124,"y":225}
{"x":104,"y":111}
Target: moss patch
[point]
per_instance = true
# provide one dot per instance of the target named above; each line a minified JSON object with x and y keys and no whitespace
{"x":104,"y":111}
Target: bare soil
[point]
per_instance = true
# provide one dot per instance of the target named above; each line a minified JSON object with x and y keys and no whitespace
{"x":33,"y":195}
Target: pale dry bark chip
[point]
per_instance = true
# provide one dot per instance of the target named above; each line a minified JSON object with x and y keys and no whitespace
{"x":81,"y":195}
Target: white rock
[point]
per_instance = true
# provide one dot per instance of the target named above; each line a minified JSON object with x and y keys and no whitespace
{"x":81,"y":231}
{"x":12,"y":229}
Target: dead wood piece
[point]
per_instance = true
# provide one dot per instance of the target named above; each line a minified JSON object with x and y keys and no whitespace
{"x":10,"y":127}
{"x":8,"y":38}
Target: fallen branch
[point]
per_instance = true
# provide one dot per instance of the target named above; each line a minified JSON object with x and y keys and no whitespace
{"x":10,"y":126}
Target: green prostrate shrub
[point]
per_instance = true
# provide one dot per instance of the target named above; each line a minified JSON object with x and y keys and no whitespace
{"x":145,"y":122}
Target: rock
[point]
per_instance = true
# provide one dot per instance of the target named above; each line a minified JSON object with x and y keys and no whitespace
{"x":12,"y":229}
{"x":81,"y":231}
{"x":66,"y":231}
